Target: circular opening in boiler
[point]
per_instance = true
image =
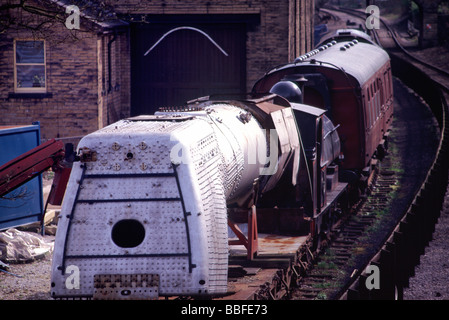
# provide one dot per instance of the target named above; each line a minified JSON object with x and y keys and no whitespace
{"x":128,"y":233}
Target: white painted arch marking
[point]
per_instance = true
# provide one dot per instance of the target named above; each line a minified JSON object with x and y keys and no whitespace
{"x":186,"y":28}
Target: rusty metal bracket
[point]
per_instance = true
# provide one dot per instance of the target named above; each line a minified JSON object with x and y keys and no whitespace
{"x":87,"y":155}
{"x":252,"y":242}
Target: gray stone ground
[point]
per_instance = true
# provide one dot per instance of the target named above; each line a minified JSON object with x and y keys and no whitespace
{"x":431,"y":280}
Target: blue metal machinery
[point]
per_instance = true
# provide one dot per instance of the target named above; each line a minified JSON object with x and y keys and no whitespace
{"x":24,"y":204}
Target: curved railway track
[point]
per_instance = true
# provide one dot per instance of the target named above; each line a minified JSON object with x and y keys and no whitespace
{"x":400,"y":252}
{"x":357,"y":240}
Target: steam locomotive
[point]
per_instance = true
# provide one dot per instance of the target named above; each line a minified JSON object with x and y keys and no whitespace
{"x":148,"y":203}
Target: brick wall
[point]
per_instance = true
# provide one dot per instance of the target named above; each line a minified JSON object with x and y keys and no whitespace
{"x":79,"y":99}
{"x":301,"y":23}
{"x":114,"y":93}
{"x":69,"y":108}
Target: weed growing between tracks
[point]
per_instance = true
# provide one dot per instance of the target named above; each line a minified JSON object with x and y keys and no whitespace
{"x":360,"y":237}
{"x":412,"y":145}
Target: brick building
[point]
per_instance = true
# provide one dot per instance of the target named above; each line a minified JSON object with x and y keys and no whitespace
{"x":143,"y":55}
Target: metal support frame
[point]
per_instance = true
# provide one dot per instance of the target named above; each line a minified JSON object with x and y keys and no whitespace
{"x":251,"y":242}
{"x":29,"y":165}
{"x":84,"y":176}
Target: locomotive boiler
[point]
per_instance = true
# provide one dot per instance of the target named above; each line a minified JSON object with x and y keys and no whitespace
{"x":146,"y":204}
{"x":145,"y":211}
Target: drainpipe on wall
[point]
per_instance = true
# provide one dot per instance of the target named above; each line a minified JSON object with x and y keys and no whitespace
{"x":109,"y":61}
{"x":109,"y":73}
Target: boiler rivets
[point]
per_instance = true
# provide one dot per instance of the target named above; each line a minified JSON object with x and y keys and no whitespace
{"x":115,"y":146}
{"x":142,"y":145}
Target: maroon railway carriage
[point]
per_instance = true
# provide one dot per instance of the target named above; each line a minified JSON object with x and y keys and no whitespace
{"x":352,"y":80}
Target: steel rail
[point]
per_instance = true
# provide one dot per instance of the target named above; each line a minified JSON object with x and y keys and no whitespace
{"x":400,"y":253}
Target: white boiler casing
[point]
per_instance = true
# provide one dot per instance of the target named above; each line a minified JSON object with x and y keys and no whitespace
{"x":145,"y":210}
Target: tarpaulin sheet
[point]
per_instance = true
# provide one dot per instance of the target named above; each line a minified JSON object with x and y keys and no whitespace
{"x":20,"y":246}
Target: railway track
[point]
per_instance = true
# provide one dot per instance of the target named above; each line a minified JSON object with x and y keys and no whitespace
{"x":400,"y":252}
{"x":350,"y":241}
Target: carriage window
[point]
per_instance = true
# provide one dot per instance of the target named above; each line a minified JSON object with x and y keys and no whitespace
{"x":368,"y":108}
{"x":368,"y":115}
{"x":29,"y":66}
{"x":382,"y":91}
{"x":387,"y":86}
{"x":390,"y":92}
{"x":378,"y":100}
{"x":377,"y":110}
{"x":375,"y":100}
